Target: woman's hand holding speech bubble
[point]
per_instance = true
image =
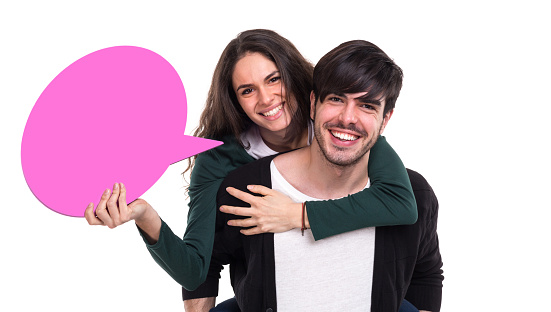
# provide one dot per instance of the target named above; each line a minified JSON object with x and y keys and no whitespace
{"x":117,"y":114}
{"x":112,"y":211}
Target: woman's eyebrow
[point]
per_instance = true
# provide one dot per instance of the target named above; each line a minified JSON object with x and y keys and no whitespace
{"x":248,"y":85}
{"x":271,"y":74}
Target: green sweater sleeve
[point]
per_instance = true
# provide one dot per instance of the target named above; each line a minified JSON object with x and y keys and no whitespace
{"x":187,"y":260}
{"x":388,"y":201}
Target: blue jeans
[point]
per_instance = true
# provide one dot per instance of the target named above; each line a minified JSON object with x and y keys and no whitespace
{"x":230,"y":305}
{"x":407,"y":307}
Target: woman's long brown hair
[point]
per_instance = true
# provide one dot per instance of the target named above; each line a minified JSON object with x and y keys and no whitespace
{"x":223,"y":114}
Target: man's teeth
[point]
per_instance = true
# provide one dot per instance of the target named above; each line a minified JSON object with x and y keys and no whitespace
{"x":344,"y":136}
{"x":273,"y":111}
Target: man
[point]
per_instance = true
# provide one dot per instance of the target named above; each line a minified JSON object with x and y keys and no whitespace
{"x":355,"y":88}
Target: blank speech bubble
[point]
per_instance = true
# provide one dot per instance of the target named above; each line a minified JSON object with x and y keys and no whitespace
{"x":115,"y":115}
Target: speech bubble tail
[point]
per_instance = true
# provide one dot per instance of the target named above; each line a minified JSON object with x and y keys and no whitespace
{"x":189,"y":146}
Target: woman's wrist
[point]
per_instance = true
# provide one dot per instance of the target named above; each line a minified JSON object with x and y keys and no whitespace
{"x":150,"y":223}
{"x":146,"y":217}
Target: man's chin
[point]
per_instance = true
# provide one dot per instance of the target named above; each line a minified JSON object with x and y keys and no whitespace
{"x":343,"y":159}
{"x":347,"y":156}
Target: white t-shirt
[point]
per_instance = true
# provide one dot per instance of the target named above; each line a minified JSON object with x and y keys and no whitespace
{"x":332,"y":274}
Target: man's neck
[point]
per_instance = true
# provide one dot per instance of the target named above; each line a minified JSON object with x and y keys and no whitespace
{"x":312,"y":174}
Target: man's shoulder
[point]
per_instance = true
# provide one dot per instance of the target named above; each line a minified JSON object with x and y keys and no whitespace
{"x":427,"y":204}
{"x":256,"y":172}
{"x":251,"y":169}
{"x":418,"y":182}
{"x":253,"y":173}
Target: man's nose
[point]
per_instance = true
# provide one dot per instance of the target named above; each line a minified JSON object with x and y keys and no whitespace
{"x":348,"y":114}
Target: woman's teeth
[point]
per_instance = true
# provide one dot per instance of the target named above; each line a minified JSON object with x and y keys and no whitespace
{"x":273,"y":111}
{"x":344,"y":136}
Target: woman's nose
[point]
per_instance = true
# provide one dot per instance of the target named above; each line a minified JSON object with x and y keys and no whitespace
{"x":266,"y":96}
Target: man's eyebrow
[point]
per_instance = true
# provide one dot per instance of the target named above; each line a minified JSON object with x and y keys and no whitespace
{"x":339,"y":94}
{"x":248,"y":85}
{"x":368,"y":100}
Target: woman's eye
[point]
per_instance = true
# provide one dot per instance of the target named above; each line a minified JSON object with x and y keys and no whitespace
{"x":246,"y":91}
{"x":274,"y":79}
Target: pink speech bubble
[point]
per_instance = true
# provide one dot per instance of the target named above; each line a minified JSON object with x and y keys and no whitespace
{"x":115,"y":115}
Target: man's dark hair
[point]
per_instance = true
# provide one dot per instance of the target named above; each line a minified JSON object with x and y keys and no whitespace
{"x":358,"y":66}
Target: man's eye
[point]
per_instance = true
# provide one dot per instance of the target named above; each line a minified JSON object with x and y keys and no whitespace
{"x":335,"y":99}
{"x":368,"y":106}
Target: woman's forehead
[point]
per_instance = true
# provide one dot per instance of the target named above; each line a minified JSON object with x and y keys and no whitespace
{"x":252,"y":67}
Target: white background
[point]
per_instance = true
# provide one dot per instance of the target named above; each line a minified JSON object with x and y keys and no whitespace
{"x":472,"y":118}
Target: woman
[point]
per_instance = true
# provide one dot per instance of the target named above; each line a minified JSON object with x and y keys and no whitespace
{"x":258,"y":105}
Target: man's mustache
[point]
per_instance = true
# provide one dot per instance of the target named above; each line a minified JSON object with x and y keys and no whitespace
{"x":350,"y":127}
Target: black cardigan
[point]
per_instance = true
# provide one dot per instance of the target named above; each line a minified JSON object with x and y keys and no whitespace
{"x":407,"y":258}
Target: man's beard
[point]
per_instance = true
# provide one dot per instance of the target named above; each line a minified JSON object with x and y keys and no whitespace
{"x":337,"y":159}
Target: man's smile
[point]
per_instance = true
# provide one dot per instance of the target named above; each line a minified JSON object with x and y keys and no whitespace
{"x":343,"y":136}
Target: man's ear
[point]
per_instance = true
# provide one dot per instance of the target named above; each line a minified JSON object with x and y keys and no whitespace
{"x":385,"y":121}
{"x":312,"y":105}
